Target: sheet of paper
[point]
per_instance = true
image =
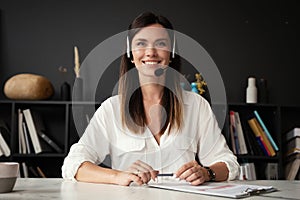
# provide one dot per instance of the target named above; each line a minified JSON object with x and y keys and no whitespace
{"x":224,"y":189}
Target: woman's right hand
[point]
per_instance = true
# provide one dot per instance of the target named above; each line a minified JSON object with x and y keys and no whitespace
{"x":125,"y":178}
{"x":142,"y":170}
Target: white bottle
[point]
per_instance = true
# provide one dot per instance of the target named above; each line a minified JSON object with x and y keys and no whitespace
{"x":251,"y":93}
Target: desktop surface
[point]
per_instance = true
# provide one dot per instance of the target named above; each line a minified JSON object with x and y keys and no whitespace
{"x":57,"y":188}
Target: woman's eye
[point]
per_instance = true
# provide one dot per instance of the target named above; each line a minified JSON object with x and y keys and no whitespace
{"x":141,"y":44}
{"x":161,"y":44}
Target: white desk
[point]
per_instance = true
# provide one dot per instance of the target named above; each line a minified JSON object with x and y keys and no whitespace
{"x":39,"y":188}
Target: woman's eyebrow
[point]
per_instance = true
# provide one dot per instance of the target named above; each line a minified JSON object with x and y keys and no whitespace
{"x":141,"y":39}
{"x":162,"y":39}
{"x":144,"y":40}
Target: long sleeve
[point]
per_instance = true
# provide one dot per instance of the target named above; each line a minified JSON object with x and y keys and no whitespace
{"x":93,"y":146}
{"x":212,"y":146}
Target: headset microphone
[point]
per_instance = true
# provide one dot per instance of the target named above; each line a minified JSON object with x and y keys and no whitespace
{"x":159,"y":71}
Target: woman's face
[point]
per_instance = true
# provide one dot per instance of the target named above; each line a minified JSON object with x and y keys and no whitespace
{"x":151,"y":49}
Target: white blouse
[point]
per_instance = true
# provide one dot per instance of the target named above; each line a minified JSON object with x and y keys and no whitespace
{"x":200,"y":135}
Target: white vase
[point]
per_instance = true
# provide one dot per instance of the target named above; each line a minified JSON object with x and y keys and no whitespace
{"x":251,"y":93}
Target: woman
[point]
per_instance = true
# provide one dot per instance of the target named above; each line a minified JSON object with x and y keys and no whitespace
{"x":152,"y":126}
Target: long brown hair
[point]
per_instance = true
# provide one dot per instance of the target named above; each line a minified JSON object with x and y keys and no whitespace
{"x":132,"y":107}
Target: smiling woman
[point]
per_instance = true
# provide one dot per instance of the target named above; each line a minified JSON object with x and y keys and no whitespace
{"x":152,"y":126}
{"x":151,"y":49}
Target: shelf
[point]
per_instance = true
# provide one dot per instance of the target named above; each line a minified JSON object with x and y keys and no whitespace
{"x":253,"y":157}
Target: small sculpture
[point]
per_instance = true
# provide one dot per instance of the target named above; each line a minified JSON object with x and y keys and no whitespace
{"x":200,"y":83}
{"x":76,"y":62}
{"x":194,"y":87}
{"x":78,"y":84}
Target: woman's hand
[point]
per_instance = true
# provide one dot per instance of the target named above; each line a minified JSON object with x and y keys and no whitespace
{"x":125,"y":178}
{"x":192,"y":172}
{"x":143,"y":170}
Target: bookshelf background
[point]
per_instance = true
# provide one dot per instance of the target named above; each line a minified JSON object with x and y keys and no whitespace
{"x":60,"y":126}
{"x":279,"y":119}
{"x":59,"y":123}
{"x":272,"y":119}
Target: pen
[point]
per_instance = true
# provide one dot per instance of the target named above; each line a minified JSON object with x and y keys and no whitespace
{"x":167,"y":174}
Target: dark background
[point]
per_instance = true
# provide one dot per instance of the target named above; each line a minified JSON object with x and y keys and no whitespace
{"x":246,"y":37}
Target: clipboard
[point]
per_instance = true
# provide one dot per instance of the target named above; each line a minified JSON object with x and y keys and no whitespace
{"x":221,"y":189}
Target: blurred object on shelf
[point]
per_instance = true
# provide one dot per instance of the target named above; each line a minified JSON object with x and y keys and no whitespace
{"x":263,"y":96}
{"x":28,"y":87}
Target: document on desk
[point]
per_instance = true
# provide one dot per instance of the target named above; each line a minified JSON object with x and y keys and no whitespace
{"x":222,"y":189}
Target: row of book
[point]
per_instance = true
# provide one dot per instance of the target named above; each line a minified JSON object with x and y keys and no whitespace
{"x":32,"y":134}
{"x":292,"y":170}
{"x":248,"y":171}
{"x":30,"y":171}
{"x":254,"y":141}
{"x":4,"y":139}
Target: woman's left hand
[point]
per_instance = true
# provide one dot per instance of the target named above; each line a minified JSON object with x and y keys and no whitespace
{"x":192,"y":172}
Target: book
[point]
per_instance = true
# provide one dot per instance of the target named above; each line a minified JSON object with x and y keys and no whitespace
{"x":40,"y":172}
{"x":265,"y":139}
{"x":33,"y":172}
{"x":249,"y":145}
{"x":266,"y":131}
{"x":25,"y":170}
{"x":32,"y":131}
{"x":35,"y":126}
{"x":247,"y":171}
{"x":251,"y":142}
{"x":272,"y":171}
{"x":251,"y":171}
{"x":240,"y":134}
{"x":22,"y":143}
{"x":292,"y":151}
{"x":221,"y":189}
{"x":4,"y":146}
{"x":45,"y":141}
{"x":258,"y":137}
{"x":257,"y":130}
{"x":27,"y":139}
{"x":4,"y":139}
{"x":234,"y":136}
{"x":293,"y":133}
{"x":292,"y":167}
{"x":232,"y":130}
{"x":262,"y":146}
{"x":50,"y":142}
{"x":293,"y":144}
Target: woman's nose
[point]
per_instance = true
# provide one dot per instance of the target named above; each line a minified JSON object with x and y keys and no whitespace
{"x":151,"y":51}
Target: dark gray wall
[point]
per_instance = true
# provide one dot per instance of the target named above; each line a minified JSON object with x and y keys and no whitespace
{"x":244,"y":38}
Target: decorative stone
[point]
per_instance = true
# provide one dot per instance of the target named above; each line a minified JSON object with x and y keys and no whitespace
{"x":28,"y":87}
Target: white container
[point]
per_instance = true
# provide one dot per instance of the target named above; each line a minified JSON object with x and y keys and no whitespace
{"x":8,"y":176}
{"x":251,"y":93}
